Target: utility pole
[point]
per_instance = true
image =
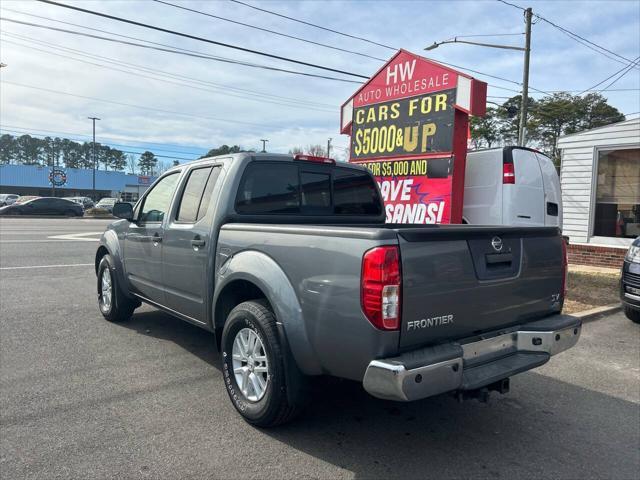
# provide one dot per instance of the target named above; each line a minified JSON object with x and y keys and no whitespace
{"x":264,"y":143}
{"x":522,"y":128}
{"x":93,"y":154}
{"x":329,"y":147}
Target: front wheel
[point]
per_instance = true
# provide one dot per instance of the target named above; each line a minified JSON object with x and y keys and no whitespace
{"x":253,"y":365}
{"x":632,"y":314}
{"x":113,"y":304}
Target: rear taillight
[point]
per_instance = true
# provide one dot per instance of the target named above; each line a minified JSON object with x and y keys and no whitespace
{"x":313,"y":158}
{"x":508,"y":173}
{"x":381,"y":287}
{"x":565,"y":268}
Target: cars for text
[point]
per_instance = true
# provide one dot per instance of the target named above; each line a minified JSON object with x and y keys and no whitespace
{"x":44,"y":206}
{"x":288,"y":261}
{"x":630,"y":282}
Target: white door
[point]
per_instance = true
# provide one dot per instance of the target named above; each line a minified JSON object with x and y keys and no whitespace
{"x":523,"y":201}
{"x":552,"y":194}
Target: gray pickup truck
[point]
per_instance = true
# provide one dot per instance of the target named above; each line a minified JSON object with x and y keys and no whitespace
{"x":289,"y":262}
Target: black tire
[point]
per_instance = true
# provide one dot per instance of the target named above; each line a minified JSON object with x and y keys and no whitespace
{"x":632,"y":314}
{"x":273,"y":408}
{"x":119,"y":308}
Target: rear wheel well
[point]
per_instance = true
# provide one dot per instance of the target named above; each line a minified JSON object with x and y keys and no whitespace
{"x":102,"y":251}
{"x":232,"y":295}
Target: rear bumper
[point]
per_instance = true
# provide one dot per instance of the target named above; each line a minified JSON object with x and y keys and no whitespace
{"x":468,"y":365}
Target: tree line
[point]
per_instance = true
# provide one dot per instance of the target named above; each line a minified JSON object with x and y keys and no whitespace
{"x":58,"y":152}
{"x":547,"y":119}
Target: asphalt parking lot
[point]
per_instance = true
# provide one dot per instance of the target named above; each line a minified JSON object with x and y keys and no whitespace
{"x":83,"y":398}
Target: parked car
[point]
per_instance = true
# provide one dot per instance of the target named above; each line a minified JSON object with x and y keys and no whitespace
{"x":86,"y":202}
{"x":25,"y":198}
{"x":107,"y":203}
{"x":289,"y":262}
{"x":8,"y":199}
{"x":44,"y":206}
{"x":630,"y":282}
{"x":511,"y":186}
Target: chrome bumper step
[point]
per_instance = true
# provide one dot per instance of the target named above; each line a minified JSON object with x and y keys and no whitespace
{"x":471,"y":364}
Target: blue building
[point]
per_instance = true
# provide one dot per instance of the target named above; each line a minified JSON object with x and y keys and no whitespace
{"x":71,"y":182}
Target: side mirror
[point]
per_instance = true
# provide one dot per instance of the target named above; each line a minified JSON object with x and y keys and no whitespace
{"x":123,"y":210}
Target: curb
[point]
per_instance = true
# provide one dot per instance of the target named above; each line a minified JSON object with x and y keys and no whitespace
{"x":594,"y":313}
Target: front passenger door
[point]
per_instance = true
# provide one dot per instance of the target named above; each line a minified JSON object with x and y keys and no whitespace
{"x":143,"y":240}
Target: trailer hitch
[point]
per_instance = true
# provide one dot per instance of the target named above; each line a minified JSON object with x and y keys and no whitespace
{"x":482,"y":394}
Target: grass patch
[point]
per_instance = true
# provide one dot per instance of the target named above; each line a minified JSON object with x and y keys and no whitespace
{"x":590,"y":290}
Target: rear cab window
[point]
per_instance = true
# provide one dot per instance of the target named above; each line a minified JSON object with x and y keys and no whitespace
{"x":304,"y":188}
{"x":196,"y":196}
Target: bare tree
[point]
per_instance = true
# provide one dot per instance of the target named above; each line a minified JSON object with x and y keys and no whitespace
{"x":316,"y":150}
{"x":131,"y":163}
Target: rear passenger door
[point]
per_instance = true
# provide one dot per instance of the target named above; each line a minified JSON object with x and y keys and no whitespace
{"x":188,"y":249}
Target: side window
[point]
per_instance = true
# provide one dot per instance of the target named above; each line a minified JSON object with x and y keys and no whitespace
{"x":205,"y":203}
{"x":355,"y":193}
{"x":269,"y":188}
{"x":196,"y":197}
{"x":315,"y":189}
{"x":192,"y":194}
{"x":156,"y":203}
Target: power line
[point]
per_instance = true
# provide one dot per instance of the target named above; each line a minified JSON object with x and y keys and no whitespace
{"x":153,"y":73}
{"x":268,"y":30}
{"x":621,"y":75}
{"x":205,"y":40}
{"x":202,"y":55}
{"x":574,"y":36}
{"x":314,"y":25}
{"x":24,"y":130}
{"x":124,"y":151}
{"x":181,"y":51}
{"x":225,"y":120}
{"x":228,"y":87}
{"x":609,"y":77}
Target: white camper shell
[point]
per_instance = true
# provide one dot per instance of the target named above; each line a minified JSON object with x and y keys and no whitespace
{"x":511,"y":186}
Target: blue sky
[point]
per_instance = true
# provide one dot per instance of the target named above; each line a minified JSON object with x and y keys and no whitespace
{"x":212,"y":103}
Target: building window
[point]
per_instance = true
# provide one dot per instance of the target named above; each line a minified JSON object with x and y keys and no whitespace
{"x":618,"y":194}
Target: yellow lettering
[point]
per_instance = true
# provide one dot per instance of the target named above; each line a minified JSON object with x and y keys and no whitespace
{"x":359,"y":117}
{"x":425,"y":105}
{"x":382,"y":113}
{"x":412,"y":105}
{"x":371,"y":115}
{"x":428,"y":130}
{"x":395,"y":113}
{"x":441,"y":102}
{"x":410,"y":138}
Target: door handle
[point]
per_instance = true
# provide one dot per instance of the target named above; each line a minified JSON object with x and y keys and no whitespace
{"x":197,"y":242}
{"x":156,"y":238}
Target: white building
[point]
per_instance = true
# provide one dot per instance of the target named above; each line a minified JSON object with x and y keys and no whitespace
{"x":600,"y":179}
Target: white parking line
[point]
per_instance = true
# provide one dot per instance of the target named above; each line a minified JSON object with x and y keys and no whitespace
{"x":49,"y":266}
{"x":77,"y":236}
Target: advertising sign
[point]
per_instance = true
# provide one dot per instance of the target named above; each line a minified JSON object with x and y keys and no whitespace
{"x":415,"y":191}
{"x":407,"y":127}
{"x":57,"y":177}
{"x":408,"y":124}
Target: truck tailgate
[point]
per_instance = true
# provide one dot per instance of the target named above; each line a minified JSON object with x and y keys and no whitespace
{"x":460,"y":281}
